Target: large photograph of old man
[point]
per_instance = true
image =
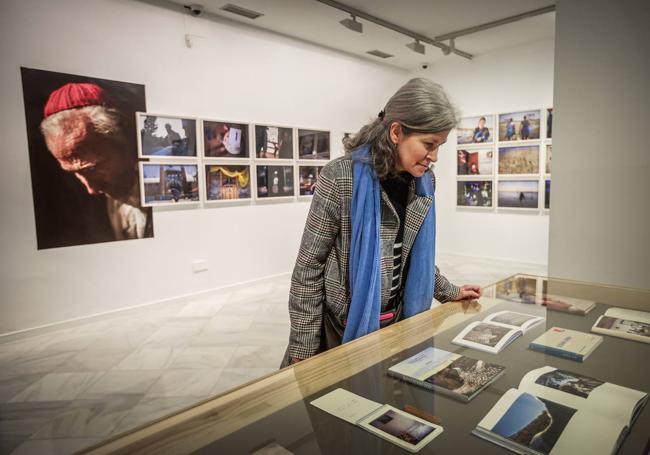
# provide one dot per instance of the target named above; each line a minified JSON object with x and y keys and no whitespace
{"x":83,"y":156}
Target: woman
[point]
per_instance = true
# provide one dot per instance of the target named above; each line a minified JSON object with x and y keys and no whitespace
{"x":367,"y":253}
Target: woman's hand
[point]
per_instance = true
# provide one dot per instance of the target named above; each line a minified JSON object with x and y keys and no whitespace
{"x":469,"y":291}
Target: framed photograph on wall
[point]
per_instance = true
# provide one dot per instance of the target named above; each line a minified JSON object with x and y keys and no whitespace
{"x":475,"y":161}
{"x":166,"y":136}
{"x":307,"y":179}
{"x":225,"y":139}
{"x":227,"y":182}
{"x":313,"y":145}
{"x":519,"y":160}
{"x":549,"y":122}
{"x":274,"y":181}
{"x":547,"y":194}
{"x":474,"y":193}
{"x":519,"y":126}
{"x":169,"y":184}
{"x":273,"y":142}
{"x":549,"y":157}
{"x":520,"y":194}
{"x":475,"y":130}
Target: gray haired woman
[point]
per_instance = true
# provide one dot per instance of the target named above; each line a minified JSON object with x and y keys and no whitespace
{"x":366,"y":259}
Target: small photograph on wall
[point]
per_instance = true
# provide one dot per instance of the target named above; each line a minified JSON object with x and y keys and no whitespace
{"x":521,"y":194}
{"x":308,"y":177}
{"x":166,"y":136}
{"x":313,"y":145}
{"x":474,"y":194}
{"x":272,"y":142}
{"x":549,"y":123}
{"x":170,"y":184}
{"x":274,"y":181}
{"x":475,"y":130}
{"x":547,"y":194}
{"x":519,"y":160}
{"x":475,"y":162}
{"x":225,"y":139}
{"x":73,"y":123}
{"x":226,"y":183}
{"x":519,"y":126}
{"x":549,"y":157}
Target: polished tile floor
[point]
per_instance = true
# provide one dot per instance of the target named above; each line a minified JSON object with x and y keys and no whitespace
{"x":67,"y":387}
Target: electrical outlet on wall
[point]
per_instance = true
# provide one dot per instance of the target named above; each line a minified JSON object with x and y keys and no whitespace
{"x":200,"y":265}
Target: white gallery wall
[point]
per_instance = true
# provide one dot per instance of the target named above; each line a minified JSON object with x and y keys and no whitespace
{"x":233,"y":72}
{"x":515,"y":79}
{"x":600,"y":223}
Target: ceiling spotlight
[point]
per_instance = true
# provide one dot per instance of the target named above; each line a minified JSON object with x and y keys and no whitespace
{"x":451,"y":48}
{"x":416,"y":46}
{"x":352,"y":24}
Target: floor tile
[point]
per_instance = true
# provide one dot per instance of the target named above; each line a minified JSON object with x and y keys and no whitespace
{"x":146,"y":359}
{"x":34,"y":362}
{"x":54,"y":446}
{"x":24,"y":419}
{"x":234,"y":377}
{"x":10,"y":387}
{"x":92,"y":360}
{"x":202,"y":357}
{"x":257,"y":357}
{"x":57,"y":387}
{"x":185,"y":383}
{"x":121,"y":382}
{"x":150,"y":409}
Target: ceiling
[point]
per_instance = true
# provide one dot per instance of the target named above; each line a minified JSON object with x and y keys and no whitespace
{"x":315,"y":22}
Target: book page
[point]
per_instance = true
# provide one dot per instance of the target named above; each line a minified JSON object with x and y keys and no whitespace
{"x":583,"y":392}
{"x":630,"y":315}
{"x":403,"y":429}
{"x":346,"y":405}
{"x":623,"y":328}
{"x":545,"y":426}
{"x":514,"y":320}
{"x":424,"y":364}
{"x":486,"y":336}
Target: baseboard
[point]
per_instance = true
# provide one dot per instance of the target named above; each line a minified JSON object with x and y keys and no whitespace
{"x":90,"y":317}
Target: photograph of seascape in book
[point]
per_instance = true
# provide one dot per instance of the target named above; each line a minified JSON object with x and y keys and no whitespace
{"x":573,"y":383}
{"x":534,"y":422}
{"x":448,"y":373}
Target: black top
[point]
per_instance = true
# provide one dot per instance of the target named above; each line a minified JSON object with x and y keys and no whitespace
{"x":397,"y":190}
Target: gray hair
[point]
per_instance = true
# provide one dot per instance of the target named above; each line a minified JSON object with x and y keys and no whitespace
{"x":105,"y":121}
{"x":419,"y":106}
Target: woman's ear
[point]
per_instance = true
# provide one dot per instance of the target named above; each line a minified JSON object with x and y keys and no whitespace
{"x":395,"y":132}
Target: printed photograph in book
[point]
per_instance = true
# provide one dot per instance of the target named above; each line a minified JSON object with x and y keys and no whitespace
{"x":225,"y":140}
{"x":518,"y":289}
{"x":523,"y":194}
{"x":402,"y":427}
{"x":486,"y":334}
{"x":465,"y":376}
{"x":512,"y":318}
{"x":308,"y":177}
{"x":274,"y":181}
{"x":534,"y":422}
{"x":313,"y":145}
{"x":166,"y":136}
{"x":474,"y":194}
{"x":475,"y":130}
{"x":519,"y":126}
{"x":227,"y":182}
{"x":625,"y":326}
{"x":83,"y":158}
{"x":273,"y":142}
{"x":170,"y":183}
{"x":565,"y":381}
{"x":474,"y":162}
{"x":519,"y":160}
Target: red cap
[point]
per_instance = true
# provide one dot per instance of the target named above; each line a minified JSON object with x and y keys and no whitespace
{"x":74,"y":95}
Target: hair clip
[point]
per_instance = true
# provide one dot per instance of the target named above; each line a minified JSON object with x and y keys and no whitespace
{"x":381,"y":114}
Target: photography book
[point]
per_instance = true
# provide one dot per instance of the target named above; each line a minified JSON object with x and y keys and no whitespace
{"x":566,"y":343}
{"x":496,"y":331}
{"x":569,"y":305}
{"x":622,"y":323}
{"x":452,"y":374}
{"x":402,"y":429}
{"x":558,"y":412}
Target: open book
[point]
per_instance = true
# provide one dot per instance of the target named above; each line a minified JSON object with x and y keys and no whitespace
{"x":496,"y":331}
{"x":556,"y":412}
{"x":389,"y":423}
{"x":566,"y":304}
{"x":619,"y":322}
{"x":452,"y":374}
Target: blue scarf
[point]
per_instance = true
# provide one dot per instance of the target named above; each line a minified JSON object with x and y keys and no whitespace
{"x":365,"y":253}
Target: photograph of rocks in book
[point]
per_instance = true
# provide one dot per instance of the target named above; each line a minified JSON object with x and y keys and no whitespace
{"x":465,"y":376}
{"x":486,"y":334}
{"x":534,"y":422}
{"x":565,"y":381}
